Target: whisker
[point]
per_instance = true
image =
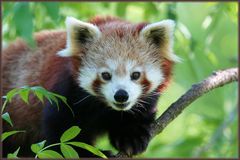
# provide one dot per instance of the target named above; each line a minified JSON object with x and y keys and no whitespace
{"x":140,"y":100}
{"x":154,"y":93}
{"x":141,"y":106}
{"x":81,"y":100}
{"x":151,"y":95}
{"x":137,"y":110}
{"x":151,"y":98}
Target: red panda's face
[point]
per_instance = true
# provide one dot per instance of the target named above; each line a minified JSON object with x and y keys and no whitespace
{"x":120,"y":82}
{"x":119,"y":69}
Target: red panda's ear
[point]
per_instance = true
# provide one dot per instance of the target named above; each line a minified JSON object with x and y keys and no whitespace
{"x":161,"y":35}
{"x":78,"y":33}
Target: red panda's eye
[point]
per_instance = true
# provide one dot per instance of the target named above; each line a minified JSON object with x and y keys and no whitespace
{"x":135,"y":75}
{"x":106,"y":76}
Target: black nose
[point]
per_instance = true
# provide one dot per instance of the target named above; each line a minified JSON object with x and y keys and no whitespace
{"x":121,"y":96}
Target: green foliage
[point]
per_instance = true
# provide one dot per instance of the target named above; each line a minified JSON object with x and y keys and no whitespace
{"x":40,"y":149}
{"x":40,"y":93}
{"x":121,"y":9}
{"x":70,"y":134}
{"x":38,"y":146}
{"x":205,"y":38}
{"x":7,"y":134}
{"x":67,"y":150}
{"x":88,"y":147}
{"x":14,"y":154}
{"x":22,"y":11}
{"x":24,"y":94}
{"x":49,"y":154}
{"x":52,"y":10}
{"x":7,"y":118}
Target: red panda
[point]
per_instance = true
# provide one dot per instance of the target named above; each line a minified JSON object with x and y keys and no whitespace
{"x":111,"y":72}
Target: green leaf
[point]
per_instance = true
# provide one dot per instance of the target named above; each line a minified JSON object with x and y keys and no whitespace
{"x":12,"y":93}
{"x":39,"y":89}
{"x":22,"y":11}
{"x":68,"y":151}
{"x":40,"y":92}
{"x":52,"y":10}
{"x":70,"y":134}
{"x":89,"y":148}
{"x":4,"y":106}
{"x":13,"y":155}
{"x":59,"y":96}
{"x":7,"y":118}
{"x":24,"y":95}
{"x":38,"y":146}
{"x":64,"y":100}
{"x":49,"y":99}
{"x":7,"y":134}
{"x":51,"y":96}
{"x":54,"y":99}
{"x":49,"y":154}
{"x":39,"y":95}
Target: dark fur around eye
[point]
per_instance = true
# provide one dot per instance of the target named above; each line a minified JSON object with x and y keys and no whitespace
{"x":106,"y":76}
{"x":135,"y":75}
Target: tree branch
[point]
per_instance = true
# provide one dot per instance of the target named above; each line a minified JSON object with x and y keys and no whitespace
{"x":217,"y":79}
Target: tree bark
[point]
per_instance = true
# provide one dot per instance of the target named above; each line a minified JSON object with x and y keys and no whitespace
{"x":217,"y":79}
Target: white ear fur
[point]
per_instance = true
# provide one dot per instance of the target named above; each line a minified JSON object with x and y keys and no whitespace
{"x":165,"y":29}
{"x":73,"y":25}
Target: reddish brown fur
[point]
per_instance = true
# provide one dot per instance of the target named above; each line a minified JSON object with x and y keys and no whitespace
{"x":117,"y":24}
{"x":96,"y":85}
{"x":139,"y":27}
{"x":146,"y":84}
{"x":167,"y":72}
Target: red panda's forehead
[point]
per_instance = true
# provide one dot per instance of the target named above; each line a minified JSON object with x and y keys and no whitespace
{"x":124,"y":48}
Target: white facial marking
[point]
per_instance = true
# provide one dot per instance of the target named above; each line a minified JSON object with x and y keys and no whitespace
{"x":109,"y":88}
{"x":86,"y":78}
{"x":155,"y":76}
{"x":134,"y":89}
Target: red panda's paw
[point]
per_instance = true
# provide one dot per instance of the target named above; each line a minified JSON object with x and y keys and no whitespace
{"x":131,"y":142}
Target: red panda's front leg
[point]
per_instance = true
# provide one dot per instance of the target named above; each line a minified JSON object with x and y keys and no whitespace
{"x":132,"y":136}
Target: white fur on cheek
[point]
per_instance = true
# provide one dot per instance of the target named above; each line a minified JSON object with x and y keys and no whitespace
{"x":134,"y":93}
{"x":155,"y":76}
{"x":86,"y":77}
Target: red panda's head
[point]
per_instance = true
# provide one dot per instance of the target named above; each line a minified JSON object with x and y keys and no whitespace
{"x":121,"y":62}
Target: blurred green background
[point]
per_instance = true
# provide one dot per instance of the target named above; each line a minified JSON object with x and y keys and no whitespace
{"x":206,"y":39}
